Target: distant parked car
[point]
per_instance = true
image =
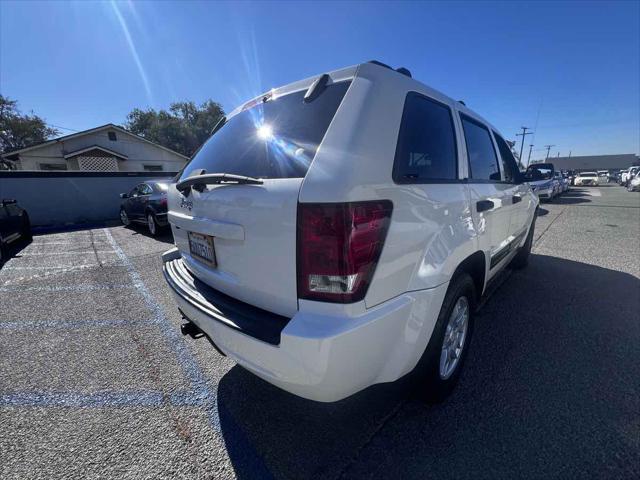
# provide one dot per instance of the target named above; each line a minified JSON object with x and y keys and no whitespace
{"x":563,"y":184}
{"x":634,"y":184}
{"x":14,"y":225}
{"x":146,"y":203}
{"x":540,"y":177}
{"x":623,"y":176}
{"x":603,"y":176}
{"x":631,"y":174}
{"x":587,"y":179}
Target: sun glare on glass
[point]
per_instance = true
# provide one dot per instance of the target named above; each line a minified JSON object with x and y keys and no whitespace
{"x":265,"y":132}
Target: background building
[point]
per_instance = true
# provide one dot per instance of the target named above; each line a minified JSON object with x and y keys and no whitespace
{"x":594,"y":162}
{"x":108,"y":148}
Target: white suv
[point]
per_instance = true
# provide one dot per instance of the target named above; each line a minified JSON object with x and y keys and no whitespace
{"x":339,"y":232}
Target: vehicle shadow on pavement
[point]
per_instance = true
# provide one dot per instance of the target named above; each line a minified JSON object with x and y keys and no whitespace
{"x":573,"y":197}
{"x":549,"y":390}
{"x":14,"y":249}
{"x":164,"y":234}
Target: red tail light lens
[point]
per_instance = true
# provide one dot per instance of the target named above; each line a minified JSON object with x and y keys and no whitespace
{"x":339,"y":245}
{"x":163,"y":201}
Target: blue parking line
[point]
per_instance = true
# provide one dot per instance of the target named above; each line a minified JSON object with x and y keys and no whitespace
{"x":66,"y":288}
{"x":71,"y":324}
{"x":63,"y":399}
{"x":202,"y":392}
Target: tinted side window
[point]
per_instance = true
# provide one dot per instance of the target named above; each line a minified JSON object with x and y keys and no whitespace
{"x":509,"y":164}
{"x":426,"y":147}
{"x":483,"y":163}
{"x":145,"y":189}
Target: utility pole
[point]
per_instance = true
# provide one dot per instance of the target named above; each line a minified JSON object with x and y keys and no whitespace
{"x":548,"y":147}
{"x":569,"y":153}
{"x":529,"y":158}
{"x":523,"y":134}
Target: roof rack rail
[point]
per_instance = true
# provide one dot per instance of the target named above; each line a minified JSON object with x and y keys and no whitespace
{"x":401,"y":70}
{"x":376,"y":62}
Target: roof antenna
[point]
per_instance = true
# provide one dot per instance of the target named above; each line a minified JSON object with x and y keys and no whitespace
{"x":460,"y":101}
{"x":404,"y":71}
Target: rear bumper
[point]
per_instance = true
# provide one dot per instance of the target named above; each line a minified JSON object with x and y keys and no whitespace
{"x":323,"y":357}
{"x":544,"y":193}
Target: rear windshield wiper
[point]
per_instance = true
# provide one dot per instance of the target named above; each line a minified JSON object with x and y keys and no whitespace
{"x":199,"y":182}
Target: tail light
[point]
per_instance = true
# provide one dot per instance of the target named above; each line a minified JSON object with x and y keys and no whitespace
{"x":163,"y":200}
{"x":339,"y":245}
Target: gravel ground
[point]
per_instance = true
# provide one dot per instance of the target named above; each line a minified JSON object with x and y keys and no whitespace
{"x":97,"y":382}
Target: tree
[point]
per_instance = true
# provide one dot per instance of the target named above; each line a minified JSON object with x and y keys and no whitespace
{"x":183,"y":128}
{"x":18,"y":130}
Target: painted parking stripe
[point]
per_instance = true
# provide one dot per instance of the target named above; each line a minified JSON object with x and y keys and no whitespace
{"x":87,"y":252}
{"x":72,"y":324}
{"x":200,"y":385}
{"x":67,"y":288}
{"x":64,"y":399}
{"x":64,"y":267}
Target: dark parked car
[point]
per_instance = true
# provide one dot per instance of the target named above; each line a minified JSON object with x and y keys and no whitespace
{"x":14,"y":225}
{"x":146,"y":203}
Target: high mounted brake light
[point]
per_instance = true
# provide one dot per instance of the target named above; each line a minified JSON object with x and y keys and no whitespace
{"x":339,"y":245}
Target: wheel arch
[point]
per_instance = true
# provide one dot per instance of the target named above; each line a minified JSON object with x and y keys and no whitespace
{"x":476,"y":266}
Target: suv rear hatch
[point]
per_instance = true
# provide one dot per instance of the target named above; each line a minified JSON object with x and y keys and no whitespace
{"x":240,"y":238}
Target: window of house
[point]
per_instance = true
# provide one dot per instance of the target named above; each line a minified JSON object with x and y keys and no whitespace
{"x":426,"y":149}
{"x":509,"y":164}
{"x":152,"y":168}
{"x":483,"y":162}
{"x":112,"y":136}
{"x":53,"y":166}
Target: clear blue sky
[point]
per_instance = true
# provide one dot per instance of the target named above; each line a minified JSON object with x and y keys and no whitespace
{"x":572,"y":70}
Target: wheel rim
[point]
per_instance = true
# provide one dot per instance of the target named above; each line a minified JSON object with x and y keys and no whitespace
{"x":123,"y":217}
{"x":152,"y":224}
{"x":455,"y":336}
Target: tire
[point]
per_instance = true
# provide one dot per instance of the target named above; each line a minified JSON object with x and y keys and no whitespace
{"x":152,"y":225}
{"x":521,"y":260}
{"x":26,"y":234}
{"x":434,"y":379}
{"x":124,"y":218}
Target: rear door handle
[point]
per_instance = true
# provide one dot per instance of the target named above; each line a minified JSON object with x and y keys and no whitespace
{"x":516,"y":198}
{"x":484,"y":205}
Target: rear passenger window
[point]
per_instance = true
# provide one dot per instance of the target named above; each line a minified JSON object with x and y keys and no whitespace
{"x":509,"y":164}
{"x":426,"y":149}
{"x":483,"y":163}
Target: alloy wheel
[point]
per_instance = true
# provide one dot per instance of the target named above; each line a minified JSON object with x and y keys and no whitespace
{"x":152,"y":224}
{"x":454,"y":338}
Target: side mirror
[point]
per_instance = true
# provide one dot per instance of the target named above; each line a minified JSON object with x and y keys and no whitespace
{"x":8,"y":201}
{"x":124,"y":195}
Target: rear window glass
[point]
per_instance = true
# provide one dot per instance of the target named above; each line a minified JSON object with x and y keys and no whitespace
{"x":275,"y":139}
{"x":426,"y":148}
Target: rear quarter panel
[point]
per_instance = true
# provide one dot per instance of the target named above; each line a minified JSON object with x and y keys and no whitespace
{"x":431,"y":230}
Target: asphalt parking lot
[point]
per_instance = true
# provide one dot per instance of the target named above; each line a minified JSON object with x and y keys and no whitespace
{"x":96,"y":380}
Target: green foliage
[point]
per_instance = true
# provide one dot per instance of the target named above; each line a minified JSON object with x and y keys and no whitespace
{"x":18,"y":130}
{"x":183,"y":128}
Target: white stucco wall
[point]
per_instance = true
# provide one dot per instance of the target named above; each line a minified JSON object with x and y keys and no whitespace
{"x":138,"y":152}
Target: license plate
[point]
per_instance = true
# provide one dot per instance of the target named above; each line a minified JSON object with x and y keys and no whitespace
{"x":201,"y":248}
